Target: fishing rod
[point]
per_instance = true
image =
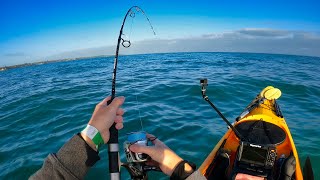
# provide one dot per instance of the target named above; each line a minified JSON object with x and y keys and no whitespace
{"x":204,"y":84}
{"x":113,"y":144}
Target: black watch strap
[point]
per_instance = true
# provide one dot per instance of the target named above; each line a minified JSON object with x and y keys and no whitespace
{"x":179,"y":173}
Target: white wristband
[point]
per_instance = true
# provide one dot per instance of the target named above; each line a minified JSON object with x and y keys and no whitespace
{"x":94,"y":135}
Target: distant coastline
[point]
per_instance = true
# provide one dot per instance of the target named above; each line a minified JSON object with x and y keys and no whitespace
{"x":3,"y":68}
{"x":46,"y":62}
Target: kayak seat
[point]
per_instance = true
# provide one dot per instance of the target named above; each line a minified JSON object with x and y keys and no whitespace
{"x":261,"y":132}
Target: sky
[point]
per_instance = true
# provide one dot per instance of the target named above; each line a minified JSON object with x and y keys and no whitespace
{"x":37,"y":30}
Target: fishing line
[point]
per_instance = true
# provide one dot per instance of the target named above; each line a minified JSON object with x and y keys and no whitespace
{"x":113,"y":143}
{"x":136,"y":99}
{"x":133,"y":15}
{"x":141,"y":124}
{"x":126,"y":43}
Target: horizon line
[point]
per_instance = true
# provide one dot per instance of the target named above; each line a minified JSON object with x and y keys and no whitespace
{"x":5,"y":68}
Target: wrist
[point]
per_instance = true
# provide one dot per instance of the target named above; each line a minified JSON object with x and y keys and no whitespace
{"x":92,"y":136}
{"x":183,"y":170}
{"x":188,"y":168}
{"x":88,"y":141}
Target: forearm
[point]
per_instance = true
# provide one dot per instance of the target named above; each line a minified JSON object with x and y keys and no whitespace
{"x":76,"y":157}
{"x":72,"y":161}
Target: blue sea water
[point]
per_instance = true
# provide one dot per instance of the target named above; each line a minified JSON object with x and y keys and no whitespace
{"x":42,"y":106}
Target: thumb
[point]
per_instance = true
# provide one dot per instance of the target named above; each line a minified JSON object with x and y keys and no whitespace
{"x":105,"y":101}
{"x":142,"y":149}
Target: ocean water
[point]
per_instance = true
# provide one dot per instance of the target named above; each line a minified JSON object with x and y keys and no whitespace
{"x":42,"y":106}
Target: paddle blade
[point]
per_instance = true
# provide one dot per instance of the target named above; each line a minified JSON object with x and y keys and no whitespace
{"x":273,"y":93}
{"x":307,"y":170}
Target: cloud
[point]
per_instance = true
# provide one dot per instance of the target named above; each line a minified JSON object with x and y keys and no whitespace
{"x":252,"y":40}
{"x":267,"y":33}
{"x":243,"y":40}
{"x":252,"y":33}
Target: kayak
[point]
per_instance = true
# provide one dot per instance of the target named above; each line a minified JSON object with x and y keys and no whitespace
{"x":265,"y":148}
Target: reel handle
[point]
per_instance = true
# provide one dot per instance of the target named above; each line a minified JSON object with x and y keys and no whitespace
{"x":138,"y":171}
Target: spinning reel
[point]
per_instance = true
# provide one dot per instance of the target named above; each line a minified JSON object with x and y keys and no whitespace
{"x":136,"y":162}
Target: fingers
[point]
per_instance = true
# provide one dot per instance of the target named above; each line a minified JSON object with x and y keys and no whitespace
{"x":119,"y":126}
{"x":120,"y":112}
{"x":152,"y":163}
{"x":119,"y":122}
{"x":118,"y":119}
{"x":150,"y":135}
{"x":154,"y":139}
{"x":142,"y":149}
{"x":117,"y":102}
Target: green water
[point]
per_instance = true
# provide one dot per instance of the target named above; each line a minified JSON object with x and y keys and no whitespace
{"x":41,"y":107}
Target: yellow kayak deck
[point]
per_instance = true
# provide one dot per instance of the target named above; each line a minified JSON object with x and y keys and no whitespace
{"x":266,"y":114}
